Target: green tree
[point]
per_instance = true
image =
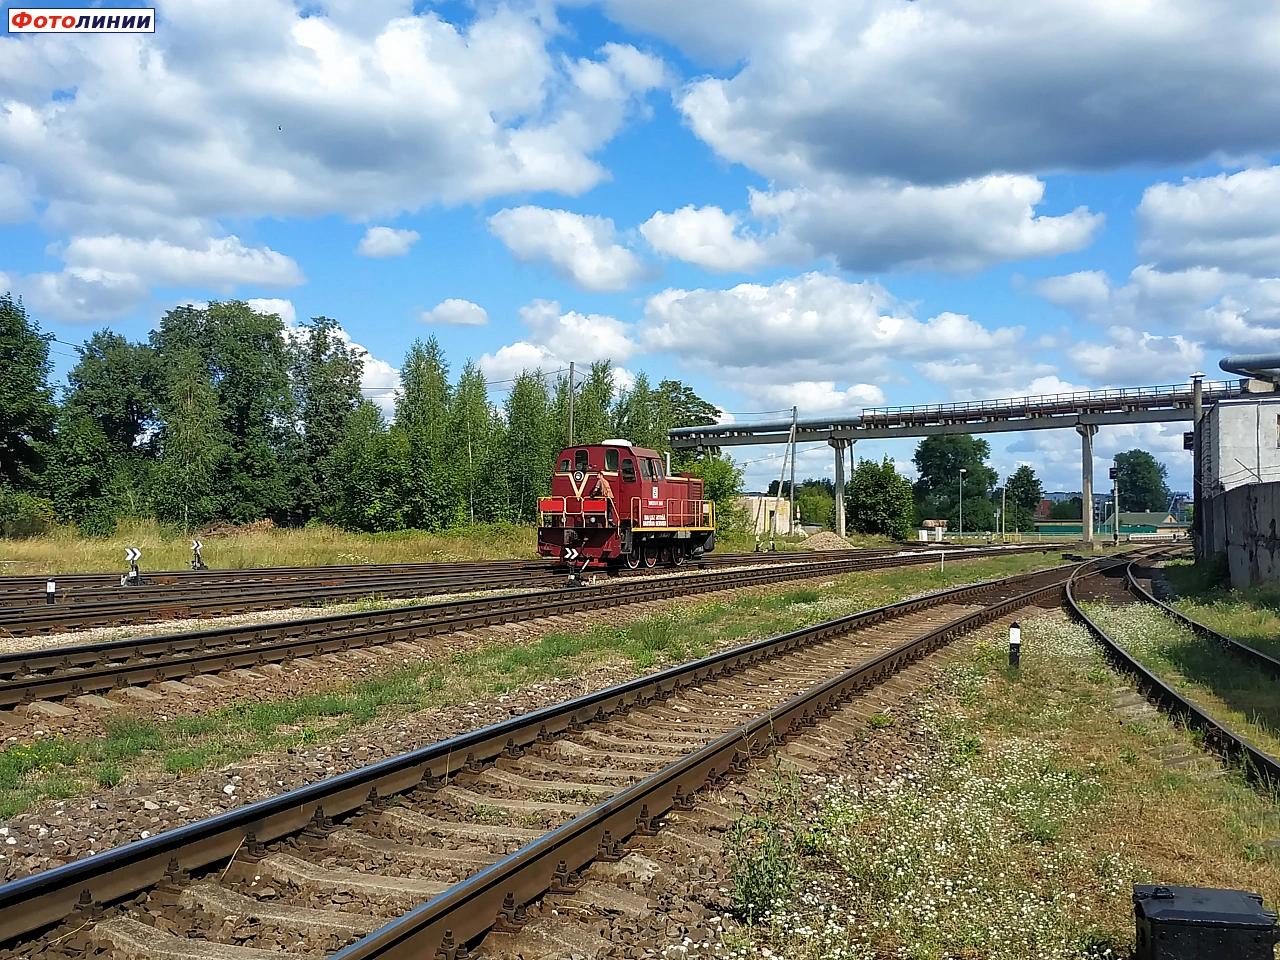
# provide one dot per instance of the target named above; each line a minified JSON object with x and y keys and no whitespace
{"x":1143,"y":482}
{"x":79,"y":474}
{"x":938,"y":461}
{"x":592,"y":421}
{"x":721,"y":481}
{"x":324,"y":373}
{"x":114,"y":383}
{"x":637,"y":416}
{"x":879,"y":500}
{"x":528,"y":447}
{"x":679,"y":406}
{"x":816,"y":504}
{"x":1066,"y":510}
{"x":246,"y":359}
{"x":194,"y":443}
{"x":1023,"y":493}
{"x":422,"y":415}
{"x":371,"y":474}
{"x":478,"y":450}
{"x":27,"y":410}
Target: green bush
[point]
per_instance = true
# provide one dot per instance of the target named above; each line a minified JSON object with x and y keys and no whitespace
{"x":24,"y":514}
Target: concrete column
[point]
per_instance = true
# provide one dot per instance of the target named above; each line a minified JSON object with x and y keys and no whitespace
{"x":1086,"y":431}
{"x":838,"y":446}
{"x":1197,"y":466}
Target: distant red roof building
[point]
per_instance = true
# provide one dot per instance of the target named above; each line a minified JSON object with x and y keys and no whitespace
{"x":1042,"y":509}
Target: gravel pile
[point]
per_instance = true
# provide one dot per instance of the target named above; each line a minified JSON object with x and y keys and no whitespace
{"x":826,"y":540}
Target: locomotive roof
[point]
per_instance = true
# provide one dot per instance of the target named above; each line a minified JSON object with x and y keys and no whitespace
{"x":639,"y":451}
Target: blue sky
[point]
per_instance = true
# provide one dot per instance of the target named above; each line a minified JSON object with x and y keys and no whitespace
{"x":831,"y":204}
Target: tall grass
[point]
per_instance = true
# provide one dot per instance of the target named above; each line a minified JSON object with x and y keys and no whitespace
{"x":1251,"y":615}
{"x":166,"y":548}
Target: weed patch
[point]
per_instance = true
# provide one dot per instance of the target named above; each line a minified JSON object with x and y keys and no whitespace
{"x":1016,"y":836}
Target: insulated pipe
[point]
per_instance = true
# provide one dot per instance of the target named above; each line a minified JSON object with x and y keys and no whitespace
{"x":1259,"y":366}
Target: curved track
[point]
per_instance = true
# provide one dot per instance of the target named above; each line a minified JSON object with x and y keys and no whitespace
{"x":71,"y":671}
{"x":420,"y":855}
{"x":1258,"y":765}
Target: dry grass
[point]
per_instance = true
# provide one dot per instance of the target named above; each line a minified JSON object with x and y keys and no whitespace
{"x":165,"y":549}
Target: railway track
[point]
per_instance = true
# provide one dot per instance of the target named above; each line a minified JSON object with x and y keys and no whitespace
{"x":84,"y":604}
{"x":424,"y":854}
{"x":72,"y":671}
{"x":1259,"y":766}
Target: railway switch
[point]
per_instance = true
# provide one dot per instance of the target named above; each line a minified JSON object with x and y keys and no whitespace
{"x":1200,"y":923}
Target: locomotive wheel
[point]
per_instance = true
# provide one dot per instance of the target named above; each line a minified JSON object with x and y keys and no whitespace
{"x":650,"y":555}
{"x":633,"y":558}
{"x":678,"y":556}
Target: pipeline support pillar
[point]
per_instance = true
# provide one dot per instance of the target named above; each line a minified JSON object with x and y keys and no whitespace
{"x":839,"y":447}
{"x":1086,"y":431}
{"x":1197,"y":467}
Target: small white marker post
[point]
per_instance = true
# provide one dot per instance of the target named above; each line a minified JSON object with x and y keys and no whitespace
{"x":50,"y":591}
{"x":1015,"y":645}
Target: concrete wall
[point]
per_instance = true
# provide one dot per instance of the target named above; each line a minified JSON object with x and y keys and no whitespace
{"x":1241,"y":443}
{"x":760,"y":510}
{"x":1244,"y":523}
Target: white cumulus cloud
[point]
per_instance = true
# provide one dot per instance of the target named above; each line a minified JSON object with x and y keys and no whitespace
{"x":889,"y":225}
{"x":1228,"y":221}
{"x":583,"y":249}
{"x":386,"y":242}
{"x":709,"y":238}
{"x":282,"y":308}
{"x":456,"y":312}
{"x":556,"y":337}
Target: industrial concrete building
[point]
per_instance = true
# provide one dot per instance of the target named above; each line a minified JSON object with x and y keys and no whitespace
{"x":1238,"y":475}
{"x":766,"y":514}
{"x":1241,"y":443}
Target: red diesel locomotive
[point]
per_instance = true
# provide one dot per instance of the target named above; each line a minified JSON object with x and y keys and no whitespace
{"x":614,"y":503}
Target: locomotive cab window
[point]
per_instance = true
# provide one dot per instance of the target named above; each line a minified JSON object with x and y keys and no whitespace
{"x":628,"y":471}
{"x":611,"y":461}
{"x":655,"y":469}
{"x":580,"y":460}
{"x":564,"y":465}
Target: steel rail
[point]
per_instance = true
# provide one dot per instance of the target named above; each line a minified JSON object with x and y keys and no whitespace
{"x":1259,"y":767}
{"x":93,"y":667}
{"x":471,"y":907}
{"x":32,"y":615}
{"x":80,"y":887}
{"x":35,"y":583}
{"x":1251,"y":656}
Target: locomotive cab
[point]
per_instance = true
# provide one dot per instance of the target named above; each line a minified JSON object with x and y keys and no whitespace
{"x":613,"y":503}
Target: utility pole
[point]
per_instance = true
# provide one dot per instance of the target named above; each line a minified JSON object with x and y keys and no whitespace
{"x":960,"y":536}
{"x":1003,"y":511}
{"x":570,"y":403}
{"x":1115,"y":506}
{"x":793,"y":469}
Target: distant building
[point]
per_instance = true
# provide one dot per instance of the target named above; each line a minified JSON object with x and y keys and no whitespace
{"x":1043,"y":508}
{"x":1152,"y":521}
{"x":763,"y":510}
{"x":1062,"y":496}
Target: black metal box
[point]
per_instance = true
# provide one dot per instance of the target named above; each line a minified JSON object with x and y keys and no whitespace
{"x":1200,"y":923}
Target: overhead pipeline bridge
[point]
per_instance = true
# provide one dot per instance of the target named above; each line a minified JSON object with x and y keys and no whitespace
{"x":1084,"y":410}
